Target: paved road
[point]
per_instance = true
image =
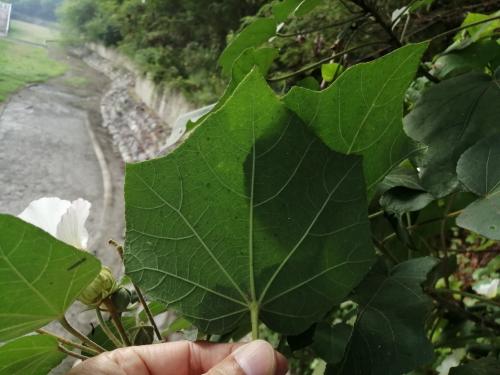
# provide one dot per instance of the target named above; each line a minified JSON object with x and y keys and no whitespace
{"x":49,"y":134}
{"x":46,"y":149}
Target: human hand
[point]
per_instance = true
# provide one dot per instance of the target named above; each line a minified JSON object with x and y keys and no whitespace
{"x":187,"y":358}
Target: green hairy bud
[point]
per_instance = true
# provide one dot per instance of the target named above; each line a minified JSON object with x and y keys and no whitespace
{"x":103,"y":286}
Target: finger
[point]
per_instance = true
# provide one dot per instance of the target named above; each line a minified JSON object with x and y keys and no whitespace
{"x":180,"y":358}
{"x":255,"y":358}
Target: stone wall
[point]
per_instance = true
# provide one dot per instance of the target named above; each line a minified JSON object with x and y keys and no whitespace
{"x":168,"y":104}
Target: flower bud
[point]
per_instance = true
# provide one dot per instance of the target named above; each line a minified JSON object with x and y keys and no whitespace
{"x":121,"y":299}
{"x":102,"y":286}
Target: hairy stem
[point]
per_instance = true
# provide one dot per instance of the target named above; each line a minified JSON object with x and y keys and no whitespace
{"x":322,"y":61}
{"x":453,"y":305}
{"x":72,"y":354}
{"x":65,"y":341}
{"x":254,"y":317}
{"x":460,"y":28}
{"x":107,"y":330}
{"x":148,"y":312}
{"x":417,"y":225}
{"x":336,"y":24}
{"x":468,"y":295}
{"x":68,"y":327}
{"x":115,"y":316}
{"x":380,"y":246}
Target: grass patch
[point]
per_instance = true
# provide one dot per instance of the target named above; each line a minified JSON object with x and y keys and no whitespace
{"x":30,"y":32}
{"x":22,"y":64}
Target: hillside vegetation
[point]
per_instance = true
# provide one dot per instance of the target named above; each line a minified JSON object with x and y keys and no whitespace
{"x":175,"y":41}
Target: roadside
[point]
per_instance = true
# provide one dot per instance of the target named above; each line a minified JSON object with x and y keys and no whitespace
{"x":53,"y":144}
{"x":50,"y":133}
{"x":24,"y":57}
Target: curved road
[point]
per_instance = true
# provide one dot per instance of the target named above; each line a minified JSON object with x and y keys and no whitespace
{"x":49,"y":135}
{"x":52,"y":144}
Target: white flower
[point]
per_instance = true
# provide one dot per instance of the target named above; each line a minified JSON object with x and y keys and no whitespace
{"x":450,"y":361}
{"x":62,"y":219}
{"x":489,"y":289}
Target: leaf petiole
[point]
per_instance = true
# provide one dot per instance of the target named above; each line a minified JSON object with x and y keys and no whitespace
{"x":148,"y":311}
{"x":254,"y":318}
{"x":117,"y":321}
{"x":64,"y":322}
{"x":65,"y":341}
{"x":72,"y":354}
{"x":107,"y":330}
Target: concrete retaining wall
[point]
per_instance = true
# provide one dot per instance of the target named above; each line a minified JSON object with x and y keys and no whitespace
{"x":167,"y":103}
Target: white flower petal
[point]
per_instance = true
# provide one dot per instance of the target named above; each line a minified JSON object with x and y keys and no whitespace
{"x":488,"y":290}
{"x":45,"y":213}
{"x":71,"y":228}
{"x":450,"y":361}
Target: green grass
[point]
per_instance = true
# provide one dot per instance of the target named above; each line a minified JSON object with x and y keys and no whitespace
{"x":22,"y":64}
{"x":32,"y":33}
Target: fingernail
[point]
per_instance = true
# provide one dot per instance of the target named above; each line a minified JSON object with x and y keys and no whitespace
{"x":256,"y":358}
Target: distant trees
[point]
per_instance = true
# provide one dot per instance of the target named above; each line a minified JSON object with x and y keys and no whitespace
{"x":174,"y":40}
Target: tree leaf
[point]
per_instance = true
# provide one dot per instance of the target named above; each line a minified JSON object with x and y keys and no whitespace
{"x":449,"y":118}
{"x":330,"y":71}
{"x":262,"y":58}
{"x":251,"y":213}
{"x":361,"y":112}
{"x":286,"y":8}
{"x":40,"y":277}
{"x":476,"y":57}
{"x":306,"y":6}
{"x":483,"y":366}
{"x":389,"y":336}
{"x":143,"y":335}
{"x":283,"y":9}
{"x":255,"y":34}
{"x":401,"y":176}
{"x":402,"y":192}
{"x":479,"y":31}
{"x":99,"y":336}
{"x":330,"y":342}
{"x":30,"y":355}
{"x":400,"y":200}
{"x":478,"y":169}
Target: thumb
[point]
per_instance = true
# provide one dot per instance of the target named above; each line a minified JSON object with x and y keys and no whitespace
{"x":255,"y":358}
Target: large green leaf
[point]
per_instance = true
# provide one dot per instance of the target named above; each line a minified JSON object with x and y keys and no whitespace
{"x":40,"y":277}
{"x":450,"y":117}
{"x":361,"y":112}
{"x":251,"y":213}
{"x":283,"y":9}
{"x":402,"y":192}
{"x":286,"y":8}
{"x":330,"y":342}
{"x":389,"y":336}
{"x":255,"y":34}
{"x":483,"y":366}
{"x":30,"y":355}
{"x":476,"y":56}
{"x":262,"y":58}
{"x":478,"y":170}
